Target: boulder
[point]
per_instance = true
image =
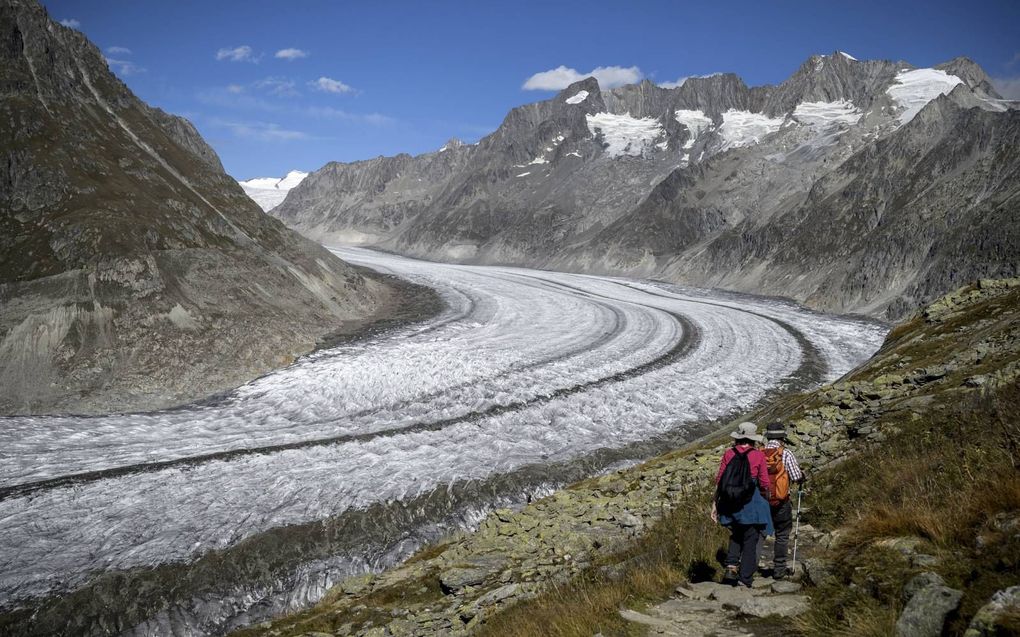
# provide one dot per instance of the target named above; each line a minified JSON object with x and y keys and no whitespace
{"x":926,"y":612}
{"x":818,"y":570}
{"x":988,"y":620}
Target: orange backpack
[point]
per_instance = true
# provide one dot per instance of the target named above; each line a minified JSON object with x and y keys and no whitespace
{"x":779,"y":491}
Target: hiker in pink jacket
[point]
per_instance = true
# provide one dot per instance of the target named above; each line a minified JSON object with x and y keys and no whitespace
{"x":741,"y":503}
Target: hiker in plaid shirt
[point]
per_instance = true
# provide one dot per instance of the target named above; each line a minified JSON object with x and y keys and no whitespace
{"x":782,"y":511}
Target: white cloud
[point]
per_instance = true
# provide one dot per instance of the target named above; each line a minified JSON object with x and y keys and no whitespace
{"x":328,"y":112}
{"x":236,"y":89}
{"x":279,"y":86}
{"x":561,"y":77}
{"x":291,"y":54}
{"x":680,"y":82}
{"x":124,"y":67}
{"x":261,"y":131}
{"x":1008,"y":87}
{"x":329,"y":85}
{"x":70,"y":23}
{"x":118,"y":50}
{"x":241,"y":53}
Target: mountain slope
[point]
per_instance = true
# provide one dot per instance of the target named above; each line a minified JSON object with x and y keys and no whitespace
{"x":853,"y":186}
{"x":134,"y":273}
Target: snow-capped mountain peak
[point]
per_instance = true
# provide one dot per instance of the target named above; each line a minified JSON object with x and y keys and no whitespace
{"x":269,"y":192}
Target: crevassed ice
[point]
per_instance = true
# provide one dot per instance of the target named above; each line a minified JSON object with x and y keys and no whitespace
{"x":914,"y":89}
{"x":827,"y":113}
{"x":695,"y":121}
{"x":503,"y":340}
{"x":743,"y":128}
{"x":577,"y":98}
{"x":625,"y":135}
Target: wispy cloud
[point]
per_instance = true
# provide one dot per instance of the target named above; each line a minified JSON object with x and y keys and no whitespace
{"x":243,"y":53}
{"x":291,"y":54}
{"x":70,"y":23}
{"x":124,"y":67}
{"x":329,"y":85}
{"x":118,"y":50}
{"x":328,"y":112}
{"x":260,"y":131}
{"x":236,"y":97}
{"x":561,"y":77}
{"x":1014,"y":61}
{"x":279,"y":86}
{"x":680,"y":82}
{"x":1008,"y":87}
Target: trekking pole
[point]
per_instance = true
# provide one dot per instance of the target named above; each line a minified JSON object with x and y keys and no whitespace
{"x":796,"y":530}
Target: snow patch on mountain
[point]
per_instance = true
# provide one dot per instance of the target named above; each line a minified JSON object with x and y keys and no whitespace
{"x":825,"y":114}
{"x":743,"y":128}
{"x":914,"y":89}
{"x":696,"y":122}
{"x":579,"y":97}
{"x":847,"y":56}
{"x":626,"y":135}
{"x":269,"y":192}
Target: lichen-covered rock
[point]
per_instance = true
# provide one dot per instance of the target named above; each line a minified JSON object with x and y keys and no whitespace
{"x":987,"y":622}
{"x":930,"y":604}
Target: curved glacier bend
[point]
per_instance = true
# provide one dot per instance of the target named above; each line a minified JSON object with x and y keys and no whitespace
{"x":524,"y":368}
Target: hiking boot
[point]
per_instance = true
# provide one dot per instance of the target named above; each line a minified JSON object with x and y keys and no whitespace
{"x":780,"y":572}
{"x":731,"y":575}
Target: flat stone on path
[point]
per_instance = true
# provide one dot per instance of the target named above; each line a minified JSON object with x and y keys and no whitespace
{"x":782,"y":606}
{"x":784,"y":587}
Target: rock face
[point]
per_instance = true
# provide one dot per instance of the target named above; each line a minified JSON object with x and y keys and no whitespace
{"x":134,"y":273}
{"x":854,"y":186}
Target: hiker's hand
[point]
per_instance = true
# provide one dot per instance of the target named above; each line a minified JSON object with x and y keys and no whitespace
{"x":714,"y":514}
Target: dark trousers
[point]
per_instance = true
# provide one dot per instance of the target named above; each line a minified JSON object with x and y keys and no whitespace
{"x":782,"y":519}
{"x":743,"y":550}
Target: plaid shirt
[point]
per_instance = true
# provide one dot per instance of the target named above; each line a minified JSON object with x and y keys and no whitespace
{"x":789,"y":461}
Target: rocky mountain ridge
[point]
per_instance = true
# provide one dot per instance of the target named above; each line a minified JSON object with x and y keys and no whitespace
{"x":134,"y":273}
{"x":904,"y":175}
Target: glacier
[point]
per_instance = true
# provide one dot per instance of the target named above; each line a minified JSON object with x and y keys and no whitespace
{"x":522,"y":369}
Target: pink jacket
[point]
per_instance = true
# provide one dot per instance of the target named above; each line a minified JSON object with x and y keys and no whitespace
{"x":759,"y":468}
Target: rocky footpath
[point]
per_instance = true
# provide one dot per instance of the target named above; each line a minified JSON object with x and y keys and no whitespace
{"x":965,"y":343}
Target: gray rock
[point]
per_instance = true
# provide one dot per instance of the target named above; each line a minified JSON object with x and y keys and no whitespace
{"x":784,"y":587}
{"x":926,"y":612}
{"x":987,"y":621}
{"x":817,"y":570}
{"x":782,"y":606}
{"x":731,"y":596}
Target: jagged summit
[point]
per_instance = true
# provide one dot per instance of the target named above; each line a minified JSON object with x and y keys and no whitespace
{"x":899,"y":169}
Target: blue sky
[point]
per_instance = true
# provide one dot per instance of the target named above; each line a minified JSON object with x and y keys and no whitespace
{"x":275,"y":86}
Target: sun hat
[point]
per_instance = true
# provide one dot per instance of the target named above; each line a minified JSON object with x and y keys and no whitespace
{"x":775,"y":431}
{"x":747,"y":430}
